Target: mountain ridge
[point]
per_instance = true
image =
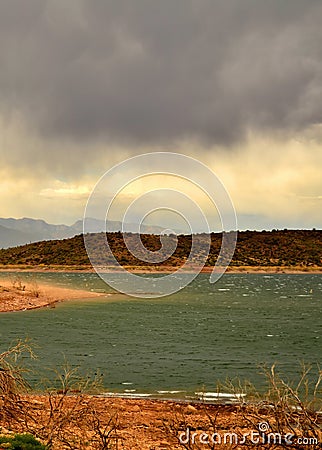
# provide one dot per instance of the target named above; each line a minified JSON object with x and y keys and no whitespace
{"x":8,"y":235}
{"x":14,"y":232}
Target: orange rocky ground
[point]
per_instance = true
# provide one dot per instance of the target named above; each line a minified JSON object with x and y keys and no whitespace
{"x":74,"y":421}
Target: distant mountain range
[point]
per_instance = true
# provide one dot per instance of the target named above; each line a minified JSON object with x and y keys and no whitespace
{"x":10,"y":237}
{"x":14,"y":232}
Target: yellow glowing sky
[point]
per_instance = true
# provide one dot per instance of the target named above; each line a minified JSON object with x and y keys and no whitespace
{"x":273,"y":182}
{"x":235,"y":84}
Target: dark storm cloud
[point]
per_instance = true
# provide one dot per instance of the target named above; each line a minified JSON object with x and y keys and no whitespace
{"x":154,"y":71}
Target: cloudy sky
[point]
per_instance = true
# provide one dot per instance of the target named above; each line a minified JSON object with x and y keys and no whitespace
{"x":237,"y":84}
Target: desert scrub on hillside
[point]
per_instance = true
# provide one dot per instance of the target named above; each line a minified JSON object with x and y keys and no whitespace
{"x":293,"y":248}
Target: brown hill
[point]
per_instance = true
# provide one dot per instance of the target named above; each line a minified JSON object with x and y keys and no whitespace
{"x":254,"y":248}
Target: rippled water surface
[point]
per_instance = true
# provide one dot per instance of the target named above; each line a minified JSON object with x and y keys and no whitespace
{"x":184,"y":342}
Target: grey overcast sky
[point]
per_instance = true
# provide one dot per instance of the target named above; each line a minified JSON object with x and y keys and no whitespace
{"x":237,"y":84}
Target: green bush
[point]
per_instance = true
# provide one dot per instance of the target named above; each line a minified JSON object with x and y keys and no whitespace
{"x":21,"y":442}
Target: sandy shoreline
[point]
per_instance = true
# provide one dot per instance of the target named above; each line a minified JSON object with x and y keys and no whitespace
{"x":22,"y":295}
{"x":25,"y":295}
{"x":164,"y":269}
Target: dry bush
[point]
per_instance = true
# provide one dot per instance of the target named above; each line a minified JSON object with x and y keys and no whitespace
{"x":12,"y":382}
{"x":65,"y":416}
{"x":18,"y":284}
{"x":290,"y":410}
{"x":34,"y":289}
{"x":286,"y":416}
{"x":31,"y":287}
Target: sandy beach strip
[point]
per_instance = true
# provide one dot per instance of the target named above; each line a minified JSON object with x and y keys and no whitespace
{"x":22,"y":295}
{"x":163,"y":269}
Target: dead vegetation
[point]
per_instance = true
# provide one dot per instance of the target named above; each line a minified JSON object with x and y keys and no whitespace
{"x":17,"y":292}
{"x":69,"y":414}
{"x":286,"y":417}
{"x":21,"y":295}
{"x":64,"y":417}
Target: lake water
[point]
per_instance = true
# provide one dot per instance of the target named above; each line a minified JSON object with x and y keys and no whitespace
{"x":185,"y":342}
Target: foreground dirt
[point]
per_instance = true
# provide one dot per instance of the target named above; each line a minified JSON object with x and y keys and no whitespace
{"x":88,"y":422}
{"x":19,"y":296}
